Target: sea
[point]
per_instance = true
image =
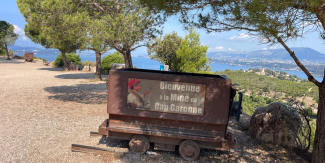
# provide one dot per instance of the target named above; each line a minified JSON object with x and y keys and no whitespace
{"x":147,"y":63}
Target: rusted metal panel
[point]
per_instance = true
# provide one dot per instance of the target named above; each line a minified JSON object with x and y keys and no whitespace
{"x":103,"y":128}
{"x":90,"y":149}
{"x":166,"y":134}
{"x":216,"y":102}
{"x":164,"y":147}
{"x":142,"y":104}
{"x":166,"y":126}
{"x":29,"y":57}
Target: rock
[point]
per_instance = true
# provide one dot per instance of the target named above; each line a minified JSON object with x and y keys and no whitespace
{"x":115,"y":66}
{"x":276,"y":123}
{"x":92,"y":69}
{"x":85,"y":68}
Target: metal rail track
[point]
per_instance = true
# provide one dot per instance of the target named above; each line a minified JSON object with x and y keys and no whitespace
{"x":90,"y":149}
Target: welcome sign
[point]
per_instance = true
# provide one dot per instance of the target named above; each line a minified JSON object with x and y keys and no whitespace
{"x":165,"y":96}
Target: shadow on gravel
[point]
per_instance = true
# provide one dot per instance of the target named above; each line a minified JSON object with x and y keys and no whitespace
{"x":82,"y":93}
{"x":114,"y":142}
{"x":51,"y":69}
{"x":77,"y":76}
{"x":12,"y":61}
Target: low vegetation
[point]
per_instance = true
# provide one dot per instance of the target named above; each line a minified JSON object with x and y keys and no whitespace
{"x":116,"y":57}
{"x":260,"y":88}
{"x":70,"y":57}
{"x":263,"y":84}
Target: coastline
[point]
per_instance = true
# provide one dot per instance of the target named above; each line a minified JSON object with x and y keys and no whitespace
{"x":272,"y":68}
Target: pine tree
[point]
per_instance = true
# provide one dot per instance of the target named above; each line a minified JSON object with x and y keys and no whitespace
{"x":191,"y":54}
{"x":53,"y":24}
{"x":122,"y":25}
{"x":7,"y":36}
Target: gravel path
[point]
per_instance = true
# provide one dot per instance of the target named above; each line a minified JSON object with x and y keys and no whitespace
{"x":44,"y":110}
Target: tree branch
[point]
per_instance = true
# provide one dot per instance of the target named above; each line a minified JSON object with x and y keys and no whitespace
{"x":137,"y":47}
{"x":105,"y":51}
{"x":102,"y":9}
{"x":114,"y":46}
{"x":302,"y":67}
{"x":91,"y":49}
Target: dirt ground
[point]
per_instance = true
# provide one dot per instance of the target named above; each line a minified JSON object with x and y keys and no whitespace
{"x":43,"y":110}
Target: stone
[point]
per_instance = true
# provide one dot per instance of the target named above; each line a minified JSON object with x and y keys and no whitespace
{"x":276,"y":123}
{"x":85,"y":68}
{"x":115,"y":66}
{"x":92,"y":69}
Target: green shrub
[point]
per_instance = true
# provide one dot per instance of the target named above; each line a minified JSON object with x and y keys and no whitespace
{"x":2,"y":52}
{"x":70,"y":57}
{"x":36,"y":57}
{"x":116,"y":57}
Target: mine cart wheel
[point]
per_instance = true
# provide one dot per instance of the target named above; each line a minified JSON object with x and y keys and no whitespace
{"x":139,"y":144}
{"x":189,"y":150}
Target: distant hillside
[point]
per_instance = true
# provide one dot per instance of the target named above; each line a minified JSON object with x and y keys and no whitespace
{"x":303,"y":54}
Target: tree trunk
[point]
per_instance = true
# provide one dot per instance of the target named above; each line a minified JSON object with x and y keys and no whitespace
{"x":6,"y":48}
{"x":98,"y":74}
{"x":318,"y":155}
{"x":319,"y":142}
{"x":128,"y":59}
{"x":65,"y":64}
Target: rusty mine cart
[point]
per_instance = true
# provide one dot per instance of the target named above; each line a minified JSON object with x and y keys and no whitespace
{"x":170,"y":109}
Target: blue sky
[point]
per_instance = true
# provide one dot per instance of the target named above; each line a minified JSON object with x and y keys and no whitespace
{"x":225,"y":41}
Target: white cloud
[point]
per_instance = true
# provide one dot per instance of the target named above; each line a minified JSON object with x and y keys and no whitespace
{"x":242,"y":36}
{"x":219,"y":48}
{"x":213,"y":33}
{"x":35,"y":50}
{"x":271,"y":47}
{"x":21,"y":32}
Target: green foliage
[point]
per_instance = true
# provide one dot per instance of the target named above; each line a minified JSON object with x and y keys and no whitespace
{"x":192,"y":55}
{"x":70,"y":57}
{"x":310,"y":112}
{"x":253,"y":82}
{"x":36,"y":57}
{"x":164,"y":50}
{"x":123,"y":25}
{"x":2,"y":51}
{"x":7,"y":35}
{"x":251,"y":103}
{"x":53,"y":28}
{"x":11,"y":52}
{"x":116,"y":57}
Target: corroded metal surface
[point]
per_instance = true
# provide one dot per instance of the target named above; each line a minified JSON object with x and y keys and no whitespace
{"x":148,"y":114}
{"x":189,"y":150}
{"x":164,"y":147}
{"x":90,"y":149}
{"x":29,"y":57}
{"x":139,"y":144}
{"x":217,"y":95}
